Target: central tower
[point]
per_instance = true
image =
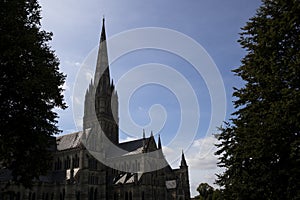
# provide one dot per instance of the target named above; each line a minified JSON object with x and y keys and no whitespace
{"x":101,"y":99}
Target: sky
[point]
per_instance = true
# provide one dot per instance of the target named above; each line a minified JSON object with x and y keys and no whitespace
{"x":175,"y":95}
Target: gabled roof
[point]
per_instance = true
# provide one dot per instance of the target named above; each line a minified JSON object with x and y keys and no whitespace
{"x":73,"y":140}
{"x":69,"y":141}
{"x":133,"y":145}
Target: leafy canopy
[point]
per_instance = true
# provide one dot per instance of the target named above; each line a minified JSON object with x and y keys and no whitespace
{"x":30,"y":87}
{"x":259,"y":148}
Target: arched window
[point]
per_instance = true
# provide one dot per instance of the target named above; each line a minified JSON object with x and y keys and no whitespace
{"x":18,"y":197}
{"x":139,"y":167}
{"x":130,"y":195}
{"x":78,"y":195}
{"x":92,"y":163}
{"x":33,"y":196}
{"x":126,"y":195}
{"x":95,"y":194}
{"x":57,"y":164}
{"x":62,"y":195}
{"x":67,"y":163}
{"x":143,"y":195}
{"x":75,"y":161}
{"x":45,"y":196}
{"x":91,"y":193}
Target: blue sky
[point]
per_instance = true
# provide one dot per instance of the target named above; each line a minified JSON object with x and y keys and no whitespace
{"x":214,"y":24}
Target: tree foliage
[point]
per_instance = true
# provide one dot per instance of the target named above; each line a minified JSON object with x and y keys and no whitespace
{"x":30,"y":87}
{"x":207,"y":192}
{"x":259,"y":148}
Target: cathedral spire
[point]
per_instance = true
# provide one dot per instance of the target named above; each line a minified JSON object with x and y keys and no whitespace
{"x":101,"y":102}
{"x":102,"y":68}
{"x":183,"y":161}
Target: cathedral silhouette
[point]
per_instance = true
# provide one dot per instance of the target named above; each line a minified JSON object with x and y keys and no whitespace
{"x":93,"y":165}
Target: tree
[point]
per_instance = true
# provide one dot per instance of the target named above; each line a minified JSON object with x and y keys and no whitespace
{"x":206,"y":192}
{"x":30,"y":88}
{"x":259,"y":147}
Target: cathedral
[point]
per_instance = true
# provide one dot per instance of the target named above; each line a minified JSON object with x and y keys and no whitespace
{"x":93,"y":165}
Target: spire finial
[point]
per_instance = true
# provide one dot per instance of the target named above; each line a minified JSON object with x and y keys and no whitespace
{"x":151,"y":134}
{"x":103,"y":35}
{"x":144,"y":141}
{"x":183,"y":161}
{"x":159,"y":142}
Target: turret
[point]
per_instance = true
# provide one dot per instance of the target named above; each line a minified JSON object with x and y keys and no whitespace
{"x":159,"y":143}
{"x":183,"y":161}
{"x":184,"y":177}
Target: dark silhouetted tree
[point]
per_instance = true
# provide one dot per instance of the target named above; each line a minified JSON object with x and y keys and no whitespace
{"x":259,"y":148}
{"x":30,"y":87}
{"x":206,"y":192}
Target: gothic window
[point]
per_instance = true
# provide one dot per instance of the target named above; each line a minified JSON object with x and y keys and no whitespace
{"x":92,"y":179}
{"x":75,"y":161}
{"x":130,"y":195}
{"x":56,"y":164}
{"x":143,"y":195}
{"x":95,"y":194}
{"x":78,"y":195}
{"x":92,"y":163}
{"x":18,"y":197}
{"x":33,"y":196}
{"x":127,"y":166}
{"x":139,"y":167}
{"x":62,"y":195}
{"x":59,"y":164}
{"x":91,"y":193}
{"x":67,"y":163}
{"x":45,"y":196}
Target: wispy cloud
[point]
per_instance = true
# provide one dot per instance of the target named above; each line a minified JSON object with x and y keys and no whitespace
{"x":201,"y":160}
